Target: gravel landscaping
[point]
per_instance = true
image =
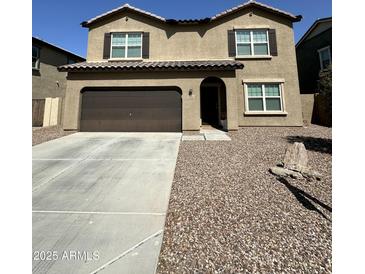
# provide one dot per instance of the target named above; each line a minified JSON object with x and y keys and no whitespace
{"x":228,"y":214}
{"x":44,"y":134}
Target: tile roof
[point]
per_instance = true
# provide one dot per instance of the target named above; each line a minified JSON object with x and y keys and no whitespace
{"x":314,"y":25}
{"x":258,"y":5}
{"x":188,"y":21}
{"x":152,"y":66}
{"x":194,"y":21}
{"x":124,"y":7}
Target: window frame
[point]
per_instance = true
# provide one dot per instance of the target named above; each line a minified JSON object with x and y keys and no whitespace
{"x":126,"y":46}
{"x":37,"y":63}
{"x":252,"y":43}
{"x":264,"y":97}
{"x":328,"y":48}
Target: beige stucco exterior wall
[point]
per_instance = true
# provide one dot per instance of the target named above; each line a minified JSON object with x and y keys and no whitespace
{"x":198,"y":42}
{"x":48,"y":81}
{"x":183,"y":80}
{"x":307,"y":107}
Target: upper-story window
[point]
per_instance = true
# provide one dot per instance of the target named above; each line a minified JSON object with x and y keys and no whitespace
{"x":126,"y":45}
{"x":324,"y":57}
{"x":35,"y":57}
{"x":252,"y":43}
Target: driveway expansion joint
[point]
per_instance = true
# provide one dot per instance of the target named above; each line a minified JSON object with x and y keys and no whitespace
{"x":77,"y":162}
{"x":120,"y":256}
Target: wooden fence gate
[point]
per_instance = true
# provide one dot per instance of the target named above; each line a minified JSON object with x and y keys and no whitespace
{"x":37,"y":112}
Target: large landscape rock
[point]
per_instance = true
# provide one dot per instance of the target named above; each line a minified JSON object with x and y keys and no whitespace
{"x":311,"y":174}
{"x":296,"y":157}
{"x":295,"y":164}
{"x":283,"y":172}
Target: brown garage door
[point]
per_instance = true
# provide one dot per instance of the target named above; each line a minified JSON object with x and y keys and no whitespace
{"x":131,"y":110}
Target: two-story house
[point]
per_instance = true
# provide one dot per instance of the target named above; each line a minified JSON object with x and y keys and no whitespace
{"x":147,"y":73}
{"x":47,"y":81}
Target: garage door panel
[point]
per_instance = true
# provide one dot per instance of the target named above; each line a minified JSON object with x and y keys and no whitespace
{"x":111,"y":125}
{"x":127,"y":101}
{"x":136,"y":114}
{"x":131,"y":111}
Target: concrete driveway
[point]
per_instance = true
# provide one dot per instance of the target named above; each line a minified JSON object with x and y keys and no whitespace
{"x":99,"y":201}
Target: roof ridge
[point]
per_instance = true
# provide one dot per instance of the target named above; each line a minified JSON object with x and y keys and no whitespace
{"x":250,"y":2}
{"x":215,"y":17}
{"x":126,"y":5}
{"x":311,"y":28}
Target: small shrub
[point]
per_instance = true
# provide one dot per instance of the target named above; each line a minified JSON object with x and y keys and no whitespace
{"x":325,"y":95}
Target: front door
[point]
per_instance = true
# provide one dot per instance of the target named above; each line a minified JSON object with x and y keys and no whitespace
{"x":209,"y":106}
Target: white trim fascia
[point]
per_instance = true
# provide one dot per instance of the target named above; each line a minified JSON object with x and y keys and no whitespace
{"x":251,"y":27}
{"x":266,"y":113}
{"x":263,"y":80}
{"x":245,"y":93}
{"x":268,"y":42}
{"x":125,"y":59}
{"x":253,"y":57}
{"x":282,"y":94}
{"x":126,"y":31}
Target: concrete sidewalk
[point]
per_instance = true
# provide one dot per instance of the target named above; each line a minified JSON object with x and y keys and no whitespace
{"x":99,"y":201}
{"x":207,"y":133}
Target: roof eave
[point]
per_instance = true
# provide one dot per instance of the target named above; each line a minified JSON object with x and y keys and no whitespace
{"x":258,"y":5}
{"x":293,"y":18}
{"x":65,"y":51}
{"x":298,"y":18}
{"x":84,"y":24}
{"x":188,"y":21}
{"x":146,"y":70}
{"x":85,"y":67}
{"x":311,"y":28}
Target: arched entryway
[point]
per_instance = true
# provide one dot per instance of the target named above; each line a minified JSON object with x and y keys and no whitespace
{"x":213,"y":103}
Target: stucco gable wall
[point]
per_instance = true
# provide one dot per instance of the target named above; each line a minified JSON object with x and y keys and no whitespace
{"x":197,"y":42}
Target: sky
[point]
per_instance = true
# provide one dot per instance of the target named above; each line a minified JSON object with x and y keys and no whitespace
{"x":58,"y":21}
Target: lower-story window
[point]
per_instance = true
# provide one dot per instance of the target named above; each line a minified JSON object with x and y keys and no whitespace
{"x":264,"y":97}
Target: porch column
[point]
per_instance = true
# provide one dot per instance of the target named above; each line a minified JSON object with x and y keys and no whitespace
{"x":232,"y":111}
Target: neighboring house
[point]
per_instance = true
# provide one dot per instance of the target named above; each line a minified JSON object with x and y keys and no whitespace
{"x":147,"y":73}
{"x":314,"y":53}
{"x":47,"y":81}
